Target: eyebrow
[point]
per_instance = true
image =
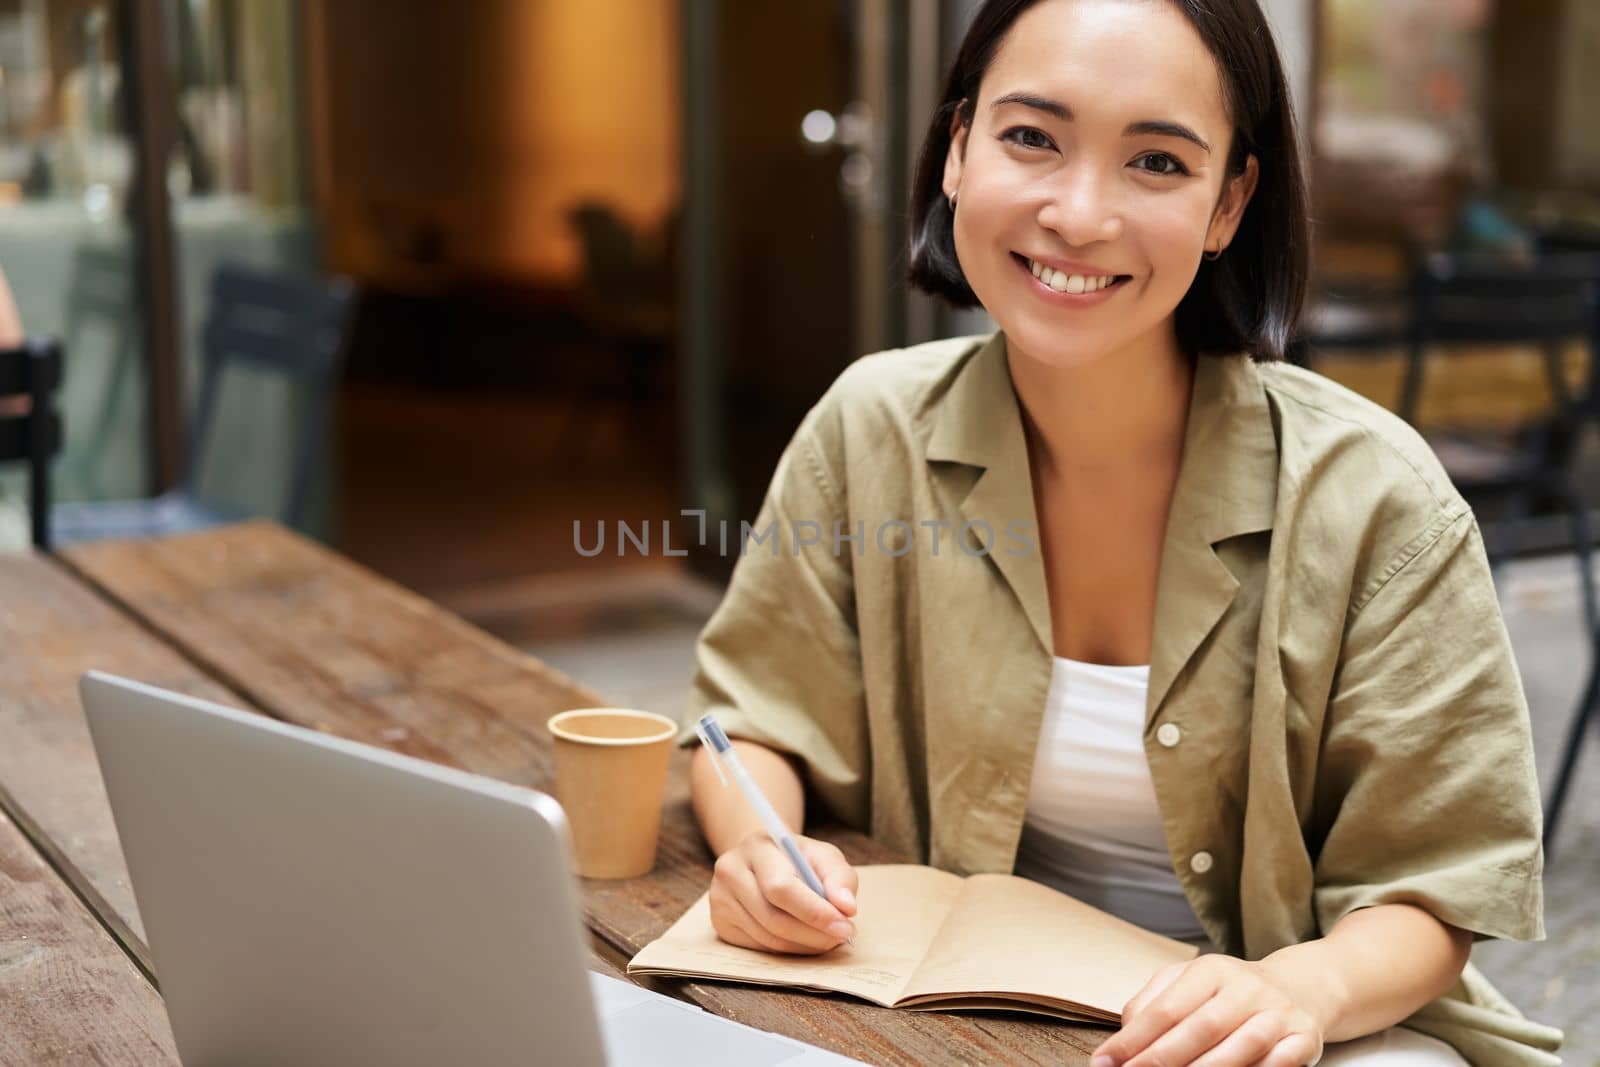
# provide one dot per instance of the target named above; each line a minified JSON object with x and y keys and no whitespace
{"x":1157,"y":127}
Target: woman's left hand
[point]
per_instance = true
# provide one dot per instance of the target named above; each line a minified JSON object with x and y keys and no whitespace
{"x":1215,"y":1011}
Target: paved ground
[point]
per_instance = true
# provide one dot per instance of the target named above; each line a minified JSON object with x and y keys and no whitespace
{"x":1557,"y":980}
{"x":643,"y":657}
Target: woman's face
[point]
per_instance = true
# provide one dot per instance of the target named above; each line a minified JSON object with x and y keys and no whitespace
{"x":1049,"y":172}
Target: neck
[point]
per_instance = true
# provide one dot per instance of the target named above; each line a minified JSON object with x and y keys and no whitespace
{"x":1120,"y":412}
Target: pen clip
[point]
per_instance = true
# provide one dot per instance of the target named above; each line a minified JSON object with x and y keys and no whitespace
{"x":716,"y":757}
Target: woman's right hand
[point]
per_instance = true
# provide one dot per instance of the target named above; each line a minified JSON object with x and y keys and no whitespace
{"x":758,"y":899}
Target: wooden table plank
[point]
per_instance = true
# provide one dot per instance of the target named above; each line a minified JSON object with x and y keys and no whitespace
{"x":314,"y":639}
{"x":69,"y":993}
{"x":53,"y":628}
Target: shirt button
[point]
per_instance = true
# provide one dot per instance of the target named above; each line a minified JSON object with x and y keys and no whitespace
{"x":1200,"y":862}
{"x":1169,"y":734}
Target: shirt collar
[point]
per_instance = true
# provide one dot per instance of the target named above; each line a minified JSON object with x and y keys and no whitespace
{"x":1226,"y":487}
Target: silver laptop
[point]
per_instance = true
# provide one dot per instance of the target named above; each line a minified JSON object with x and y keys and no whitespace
{"x":311,"y":900}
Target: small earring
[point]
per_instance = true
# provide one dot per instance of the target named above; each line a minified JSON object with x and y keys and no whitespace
{"x":1213,"y":255}
{"x":952,"y":203}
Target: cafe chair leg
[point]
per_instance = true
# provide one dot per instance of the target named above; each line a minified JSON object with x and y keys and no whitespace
{"x":1582,"y":542}
{"x":1583,"y":714}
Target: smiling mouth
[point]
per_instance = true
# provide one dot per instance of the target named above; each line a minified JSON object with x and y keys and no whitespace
{"x":1061,"y":280}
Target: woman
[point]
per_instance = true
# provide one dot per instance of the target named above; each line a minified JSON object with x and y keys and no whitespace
{"x":1209,"y":641}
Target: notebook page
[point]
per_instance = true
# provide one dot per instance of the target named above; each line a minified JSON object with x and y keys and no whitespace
{"x":901,"y":907}
{"x":1012,"y":935}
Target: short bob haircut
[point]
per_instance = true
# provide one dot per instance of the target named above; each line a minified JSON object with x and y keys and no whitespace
{"x":1247,"y":300}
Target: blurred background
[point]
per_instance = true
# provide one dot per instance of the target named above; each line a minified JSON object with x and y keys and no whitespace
{"x":443,"y":285}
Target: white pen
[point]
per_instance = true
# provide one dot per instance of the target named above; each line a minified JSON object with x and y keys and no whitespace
{"x":722,"y":754}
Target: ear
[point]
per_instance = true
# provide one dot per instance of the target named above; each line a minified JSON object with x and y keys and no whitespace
{"x":1230,"y":208}
{"x":957,"y":154}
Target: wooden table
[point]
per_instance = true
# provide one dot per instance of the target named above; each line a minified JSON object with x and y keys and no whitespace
{"x":256,"y":617}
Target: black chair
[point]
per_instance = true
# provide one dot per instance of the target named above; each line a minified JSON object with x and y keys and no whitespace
{"x":30,"y":426}
{"x":1350,"y":318}
{"x":1547,"y":301}
{"x":284,"y":324}
{"x":1567,"y":238}
{"x":1474,"y":299}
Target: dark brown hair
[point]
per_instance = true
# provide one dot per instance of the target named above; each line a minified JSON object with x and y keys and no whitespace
{"x":1247,"y":300}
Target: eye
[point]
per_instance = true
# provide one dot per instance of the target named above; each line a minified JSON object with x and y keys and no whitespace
{"x":1178,"y":167}
{"x":1026,"y":137}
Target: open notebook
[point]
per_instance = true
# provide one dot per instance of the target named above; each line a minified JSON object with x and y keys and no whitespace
{"x":931,"y":940}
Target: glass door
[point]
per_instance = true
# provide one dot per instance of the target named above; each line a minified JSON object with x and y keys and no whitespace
{"x":67,"y":242}
{"x":795,"y":202}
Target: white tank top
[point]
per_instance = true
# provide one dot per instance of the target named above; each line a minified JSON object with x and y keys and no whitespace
{"x":1093,"y":827}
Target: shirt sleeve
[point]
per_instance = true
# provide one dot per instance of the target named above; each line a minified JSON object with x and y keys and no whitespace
{"x":779,"y":662}
{"x":1426,"y":779}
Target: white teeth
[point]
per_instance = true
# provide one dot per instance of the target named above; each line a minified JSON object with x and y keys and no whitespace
{"x":1069,"y":283}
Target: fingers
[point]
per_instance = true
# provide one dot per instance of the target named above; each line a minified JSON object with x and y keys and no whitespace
{"x":1225,"y":1017}
{"x":755,"y":896}
{"x":838,"y":877}
{"x":751,"y":893}
{"x":1153,"y":988}
{"x":1295,"y":1050}
{"x":1144,"y":1026}
{"x":1213,"y":1011}
{"x":735,"y":925}
{"x":1260,"y":1040}
{"x":781,"y":887}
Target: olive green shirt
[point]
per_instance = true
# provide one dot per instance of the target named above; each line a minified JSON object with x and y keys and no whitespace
{"x":1350,"y":722}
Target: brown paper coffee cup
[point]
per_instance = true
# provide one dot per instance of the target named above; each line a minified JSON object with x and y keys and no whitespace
{"x":611,"y":778}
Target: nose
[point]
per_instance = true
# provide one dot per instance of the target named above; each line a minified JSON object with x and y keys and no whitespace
{"x":1081,"y":206}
